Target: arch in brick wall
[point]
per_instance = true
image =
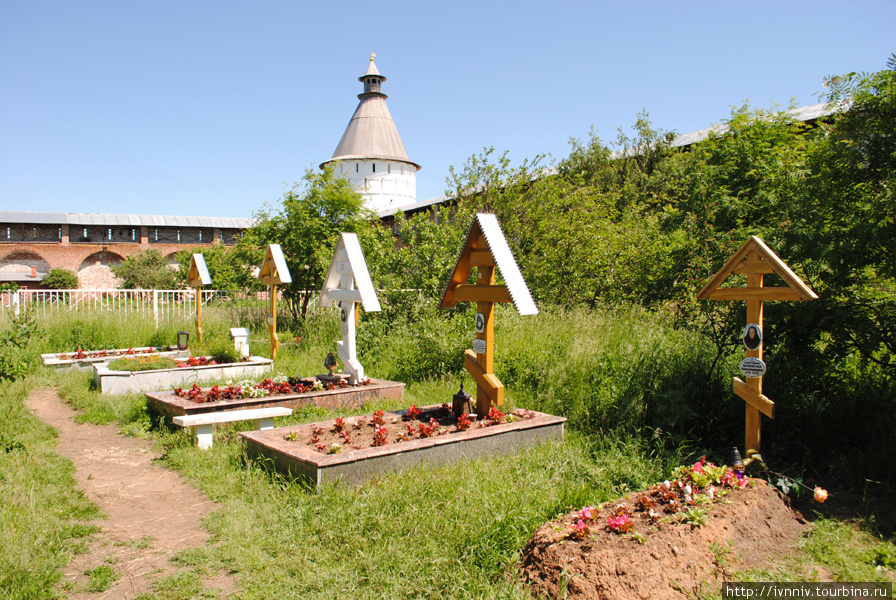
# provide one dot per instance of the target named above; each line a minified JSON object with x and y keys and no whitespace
{"x":95,"y":272}
{"x":172,"y":260}
{"x":21,"y":261}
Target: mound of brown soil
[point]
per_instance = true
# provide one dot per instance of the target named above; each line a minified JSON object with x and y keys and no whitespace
{"x":675,"y":560}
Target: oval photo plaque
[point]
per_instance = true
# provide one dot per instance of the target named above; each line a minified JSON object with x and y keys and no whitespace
{"x":752,"y":336}
{"x":752,"y":367}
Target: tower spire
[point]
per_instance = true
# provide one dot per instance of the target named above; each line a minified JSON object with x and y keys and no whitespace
{"x":371,"y":154}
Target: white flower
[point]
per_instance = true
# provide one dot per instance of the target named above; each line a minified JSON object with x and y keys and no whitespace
{"x":687,"y":490}
{"x":666,"y":484}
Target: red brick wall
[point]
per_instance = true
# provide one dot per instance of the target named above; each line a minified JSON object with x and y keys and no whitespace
{"x":74,"y":258}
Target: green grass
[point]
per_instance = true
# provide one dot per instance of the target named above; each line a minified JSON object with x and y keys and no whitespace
{"x":630,"y":384}
{"x":100,"y":579}
{"x":452,"y":532}
{"x":44,"y":519}
{"x":142,"y":363}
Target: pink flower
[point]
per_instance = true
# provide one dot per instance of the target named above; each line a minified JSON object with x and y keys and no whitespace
{"x":620,"y":524}
{"x":820,"y":494}
{"x":587,"y":513}
{"x":698,"y":466}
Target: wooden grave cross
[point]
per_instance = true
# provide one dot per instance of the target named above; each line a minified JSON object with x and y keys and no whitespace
{"x":754,"y":259}
{"x":348,"y":282}
{"x":197,"y":277}
{"x":485,"y":249}
{"x":274,"y":272}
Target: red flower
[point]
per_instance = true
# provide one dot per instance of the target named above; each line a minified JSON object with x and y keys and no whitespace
{"x":463,"y":422}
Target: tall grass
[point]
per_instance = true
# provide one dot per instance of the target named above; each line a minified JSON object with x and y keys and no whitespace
{"x":638,"y":394}
{"x":43,"y":517}
{"x":608,"y":370}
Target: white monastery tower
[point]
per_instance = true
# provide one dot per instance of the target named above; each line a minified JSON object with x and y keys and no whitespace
{"x":370,"y":154}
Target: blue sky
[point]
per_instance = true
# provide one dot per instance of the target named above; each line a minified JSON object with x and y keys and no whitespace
{"x":214,"y":107}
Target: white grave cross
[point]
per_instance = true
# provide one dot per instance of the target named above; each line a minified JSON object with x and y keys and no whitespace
{"x":348,"y":283}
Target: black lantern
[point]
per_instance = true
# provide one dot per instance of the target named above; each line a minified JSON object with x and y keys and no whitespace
{"x":461,"y":403}
{"x":183,"y":340}
{"x":734,"y":460}
{"x":330,"y":363}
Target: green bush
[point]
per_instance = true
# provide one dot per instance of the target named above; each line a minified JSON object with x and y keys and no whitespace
{"x":15,"y":358}
{"x":61,"y":279}
{"x":224,"y":353}
{"x":423,"y":343}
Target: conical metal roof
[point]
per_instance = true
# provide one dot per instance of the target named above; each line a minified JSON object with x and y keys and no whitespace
{"x":371,"y":133}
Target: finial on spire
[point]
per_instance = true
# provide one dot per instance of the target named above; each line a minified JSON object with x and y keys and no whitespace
{"x":372,"y":56}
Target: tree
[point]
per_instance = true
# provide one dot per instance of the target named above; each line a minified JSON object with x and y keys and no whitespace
{"x":147,"y":269}
{"x":229,"y":268}
{"x":306,"y":225}
{"x":61,"y":279}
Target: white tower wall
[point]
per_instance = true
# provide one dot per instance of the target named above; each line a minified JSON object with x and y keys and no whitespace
{"x":383,"y":183}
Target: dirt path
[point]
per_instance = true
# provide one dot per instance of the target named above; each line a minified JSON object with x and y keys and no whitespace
{"x":152,"y":513}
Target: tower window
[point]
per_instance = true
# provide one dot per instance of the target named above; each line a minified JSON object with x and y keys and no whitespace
{"x":374,"y":167}
{"x":388,"y":168}
{"x":356,"y":167}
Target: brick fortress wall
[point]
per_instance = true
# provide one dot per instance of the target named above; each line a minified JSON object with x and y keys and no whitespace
{"x":92,"y":261}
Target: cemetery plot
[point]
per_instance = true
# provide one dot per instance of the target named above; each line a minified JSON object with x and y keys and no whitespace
{"x":297,"y":449}
{"x":123,"y":382}
{"x":83,"y":360}
{"x":170,"y":405}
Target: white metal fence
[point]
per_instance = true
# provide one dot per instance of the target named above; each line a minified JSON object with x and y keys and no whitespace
{"x":163,"y":306}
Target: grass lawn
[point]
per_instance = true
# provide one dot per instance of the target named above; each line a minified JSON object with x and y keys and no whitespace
{"x":431,"y":532}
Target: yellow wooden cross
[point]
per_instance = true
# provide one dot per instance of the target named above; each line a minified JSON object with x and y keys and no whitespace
{"x":754,"y":259}
{"x":274,"y":272}
{"x":197,"y":277}
{"x":484,"y":250}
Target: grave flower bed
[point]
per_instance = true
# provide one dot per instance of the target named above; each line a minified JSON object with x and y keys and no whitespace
{"x":270,"y":386}
{"x":684,"y":499}
{"x":674,"y":539}
{"x":351,"y":450}
{"x":277,"y":390}
{"x":85,"y":359}
{"x":80,"y":354}
{"x":355,"y":433}
{"x":189,"y":371}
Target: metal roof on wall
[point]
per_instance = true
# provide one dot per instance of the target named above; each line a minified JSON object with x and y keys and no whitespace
{"x":105,"y":219}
